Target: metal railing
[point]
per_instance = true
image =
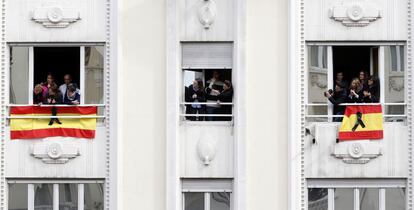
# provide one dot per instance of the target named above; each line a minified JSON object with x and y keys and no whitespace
{"x":183,"y":104}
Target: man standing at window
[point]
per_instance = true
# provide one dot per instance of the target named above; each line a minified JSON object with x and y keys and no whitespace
{"x":63,"y":88}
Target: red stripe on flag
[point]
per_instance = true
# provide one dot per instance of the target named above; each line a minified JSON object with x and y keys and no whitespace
{"x":81,"y":110}
{"x":358,"y":135}
{"x":364,"y":109}
{"x":50,"y":132}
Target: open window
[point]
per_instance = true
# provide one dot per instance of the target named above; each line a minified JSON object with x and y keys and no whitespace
{"x":55,"y":195}
{"x":207,"y":87}
{"x":214,"y":194}
{"x":32,"y":66}
{"x":378,"y":71}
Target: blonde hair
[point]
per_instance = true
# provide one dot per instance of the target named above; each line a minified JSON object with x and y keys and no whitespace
{"x":357,"y":82}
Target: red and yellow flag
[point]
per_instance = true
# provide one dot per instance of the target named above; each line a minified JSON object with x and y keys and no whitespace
{"x":362,"y":122}
{"x":30,"y":128}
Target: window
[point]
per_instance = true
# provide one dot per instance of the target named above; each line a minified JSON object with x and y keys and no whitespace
{"x":378,"y":69}
{"x":33,"y":65}
{"x":334,"y":194}
{"x":55,"y":195}
{"x":207,"y":93}
{"x":214,"y":194}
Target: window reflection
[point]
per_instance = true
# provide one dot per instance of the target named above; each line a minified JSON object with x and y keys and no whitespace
{"x":194,"y":201}
{"x":220,"y":201}
{"x":317,"y":199}
{"x":94,"y":197}
{"x":68,"y":197}
{"x":43,"y":197}
{"x":17,"y":197}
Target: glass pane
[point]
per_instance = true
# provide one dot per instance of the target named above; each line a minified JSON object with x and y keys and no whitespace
{"x":402,"y":61}
{"x":220,"y":201}
{"x":317,"y":199}
{"x":393,"y":80}
{"x":194,"y":201}
{"x":17,"y":197}
{"x":94,"y":72}
{"x":68,"y":197}
{"x":395,"y":199}
{"x":369,"y":199}
{"x":317,"y":80}
{"x":394,"y":60}
{"x":344,"y":199}
{"x":94,"y":197}
{"x":19,"y":75}
{"x":43,"y":196}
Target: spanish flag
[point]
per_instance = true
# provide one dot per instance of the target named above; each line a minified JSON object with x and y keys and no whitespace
{"x":361,"y":122}
{"x":29,"y":122}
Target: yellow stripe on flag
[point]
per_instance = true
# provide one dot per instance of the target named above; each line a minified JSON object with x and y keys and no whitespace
{"x":372,"y":121}
{"x":32,"y":124}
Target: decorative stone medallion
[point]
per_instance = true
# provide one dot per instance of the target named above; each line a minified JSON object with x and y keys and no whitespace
{"x":207,"y":13}
{"x":206,"y":149}
{"x":355,"y":14}
{"x":55,"y":16}
{"x":357,"y":152}
{"x":54,"y":152}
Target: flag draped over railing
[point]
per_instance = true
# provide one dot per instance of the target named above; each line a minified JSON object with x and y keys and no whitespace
{"x":29,"y":122}
{"x":362,"y":122}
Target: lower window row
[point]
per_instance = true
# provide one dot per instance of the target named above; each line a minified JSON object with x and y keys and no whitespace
{"x":55,"y":196}
{"x":356,"y":199}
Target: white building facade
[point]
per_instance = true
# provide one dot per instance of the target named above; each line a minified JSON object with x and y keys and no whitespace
{"x":271,"y":143}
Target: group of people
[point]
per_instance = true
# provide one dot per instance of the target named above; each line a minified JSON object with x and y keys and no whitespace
{"x":50,"y":93}
{"x":215,"y":92}
{"x":362,"y":89}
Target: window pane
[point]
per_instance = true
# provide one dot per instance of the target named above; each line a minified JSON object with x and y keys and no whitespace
{"x":19,"y":75}
{"x":317,"y":199}
{"x":369,"y":199}
{"x":344,"y":199}
{"x":394,"y":60}
{"x":317,"y":81}
{"x":68,"y":196}
{"x":402,"y":61}
{"x":194,"y":201}
{"x":43,"y":196}
{"x":94,"y":83}
{"x":94,"y":197}
{"x":220,"y":201}
{"x":393,"y":80}
{"x":395,"y":199}
{"x":17,"y":197}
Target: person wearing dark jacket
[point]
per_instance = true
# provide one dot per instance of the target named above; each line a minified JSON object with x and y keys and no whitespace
{"x":371,"y":93}
{"x":226,"y":96}
{"x":337,"y":97}
{"x":355,"y":94}
{"x":195,"y":93}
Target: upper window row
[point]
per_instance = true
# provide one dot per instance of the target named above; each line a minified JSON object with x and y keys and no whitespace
{"x":341,"y":75}
{"x":56,"y":75}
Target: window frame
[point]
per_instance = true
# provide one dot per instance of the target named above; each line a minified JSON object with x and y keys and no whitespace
{"x":182,"y":103}
{"x":55,"y":194}
{"x":82,"y":75}
{"x":356,"y":185}
{"x":381,"y":74}
{"x":207,"y":186}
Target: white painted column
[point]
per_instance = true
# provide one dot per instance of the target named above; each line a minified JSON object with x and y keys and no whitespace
{"x":330,"y":79}
{"x":382,"y":199}
{"x":30,"y":197}
{"x":31,"y":74}
{"x":356,"y":199}
{"x":55,"y":196}
{"x":206,"y":201}
{"x":81,"y":196}
{"x":331,"y":199}
{"x":381,"y":72}
{"x":82,"y":75}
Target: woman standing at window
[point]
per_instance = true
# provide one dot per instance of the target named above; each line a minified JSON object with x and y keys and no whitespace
{"x":72,"y":97}
{"x":355,"y":91}
{"x":226,"y":96}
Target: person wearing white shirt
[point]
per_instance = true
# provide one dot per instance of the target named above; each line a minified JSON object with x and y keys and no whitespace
{"x":67,"y":79}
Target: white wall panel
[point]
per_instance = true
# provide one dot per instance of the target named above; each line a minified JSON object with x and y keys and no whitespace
{"x":90,"y":164}
{"x":320,"y":162}
{"x":390,"y":26}
{"x":90,"y":27}
{"x":214,"y":139}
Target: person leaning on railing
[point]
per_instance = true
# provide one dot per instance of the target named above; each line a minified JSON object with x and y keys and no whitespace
{"x":193,"y":94}
{"x":226,"y":96}
{"x":336,"y":97}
